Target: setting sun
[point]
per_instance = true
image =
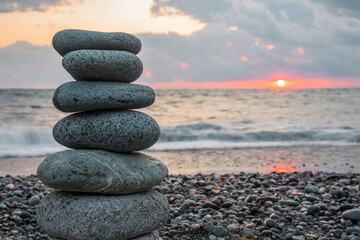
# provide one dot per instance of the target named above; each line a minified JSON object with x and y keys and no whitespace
{"x":280,"y":83}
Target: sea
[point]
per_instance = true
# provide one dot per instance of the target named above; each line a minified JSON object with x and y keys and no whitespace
{"x":209,"y":130}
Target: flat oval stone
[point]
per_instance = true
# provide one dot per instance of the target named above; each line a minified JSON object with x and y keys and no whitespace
{"x":111,"y":130}
{"x":108,"y":217}
{"x":97,"y":171}
{"x":353,"y":214}
{"x":73,"y":39}
{"x":103,"y":65}
{"x":96,"y":95}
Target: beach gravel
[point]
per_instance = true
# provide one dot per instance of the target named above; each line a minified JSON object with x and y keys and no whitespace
{"x":110,"y":130}
{"x":250,"y":216}
{"x":107,"y":217}
{"x":96,"y":171}
{"x":103,"y":65}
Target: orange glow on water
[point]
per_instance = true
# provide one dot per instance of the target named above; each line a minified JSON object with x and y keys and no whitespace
{"x":283,"y":170}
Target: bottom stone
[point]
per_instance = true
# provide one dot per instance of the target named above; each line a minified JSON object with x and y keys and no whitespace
{"x":75,"y":216}
{"x":151,"y":236}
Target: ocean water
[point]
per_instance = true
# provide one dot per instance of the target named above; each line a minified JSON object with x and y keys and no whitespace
{"x":202,"y":120}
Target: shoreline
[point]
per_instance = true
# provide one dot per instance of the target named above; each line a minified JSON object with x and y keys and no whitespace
{"x":298,"y":206}
{"x":326,"y":158}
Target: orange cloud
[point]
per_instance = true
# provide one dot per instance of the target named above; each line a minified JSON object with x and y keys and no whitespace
{"x":300,"y":50}
{"x":148,"y":74}
{"x":270,"y":47}
{"x":258,"y":42}
{"x":229,"y":43}
{"x":131,"y":16}
{"x":243,"y":58}
{"x":233,"y":28}
{"x":184,"y":65}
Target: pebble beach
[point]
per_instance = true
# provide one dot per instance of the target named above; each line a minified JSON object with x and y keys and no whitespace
{"x":298,"y":205}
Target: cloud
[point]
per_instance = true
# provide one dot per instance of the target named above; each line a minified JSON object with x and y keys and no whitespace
{"x":203,"y":10}
{"x":242,"y":41}
{"x":341,"y":8}
{"x":31,"y":66}
{"x":251,"y":28}
{"x":28,"y":5}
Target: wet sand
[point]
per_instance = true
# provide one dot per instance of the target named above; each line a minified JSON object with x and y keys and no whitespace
{"x":326,"y":158}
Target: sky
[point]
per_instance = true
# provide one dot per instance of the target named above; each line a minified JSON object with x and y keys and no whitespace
{"x":193,"y":44}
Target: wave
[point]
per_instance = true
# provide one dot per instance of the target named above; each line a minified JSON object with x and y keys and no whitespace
{"x":27,"y":142}
{"x":239,"y":132}
{"x":38,"y":141}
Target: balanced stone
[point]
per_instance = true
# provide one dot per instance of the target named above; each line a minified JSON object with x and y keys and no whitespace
{"x":72,"y":39}
{"x":95,"y":95}
{"x":97,"y":171}
{"x":111,"y":130}
{"x":107,"y":217}
{"x":103,"y":65}
{"x":150,"y":236}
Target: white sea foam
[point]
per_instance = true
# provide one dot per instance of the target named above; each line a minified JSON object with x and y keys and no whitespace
{"x":27,"y":142}
{"x":38,"y":141}
{"x":238,"y":132}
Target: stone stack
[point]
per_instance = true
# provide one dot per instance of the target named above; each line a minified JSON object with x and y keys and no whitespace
{"x":104,"y":190}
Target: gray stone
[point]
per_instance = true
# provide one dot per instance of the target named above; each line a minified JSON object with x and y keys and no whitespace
{"x":177,"y":220}
{"x":111,"y":130}
{"x":311,"y":189}
{"x":353,"y":214}
{"x":151,"y":236}
{"x":107,"y":217}
{"x":97,"y":171}
{"x":351,"y":230}
{"x":248,"y":232}
{"x":289,"y":202}
{"x":34,"y":200}
{"x":312,"y":210}
{"x":344,"y":181}
{"x":72,"y":39}
{"x":103,"y":65}
{"x":96,"y":95}
{"x":220,"y":231}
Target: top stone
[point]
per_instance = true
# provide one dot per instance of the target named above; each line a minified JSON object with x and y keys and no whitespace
{"x":71,"y":39}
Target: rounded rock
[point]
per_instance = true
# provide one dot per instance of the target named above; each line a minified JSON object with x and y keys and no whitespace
{"x":97,"y":171}
{"x":34,"y":200}
{"x":96,"y":95}
{"x":107,"y":217}
{"x":103,"y":65}
{"x":353,"y":214}
{"x":111,"y":130}
{"x":73,"y":39}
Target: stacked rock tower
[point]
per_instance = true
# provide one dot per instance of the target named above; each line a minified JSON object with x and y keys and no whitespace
{"x":105,"y":189}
